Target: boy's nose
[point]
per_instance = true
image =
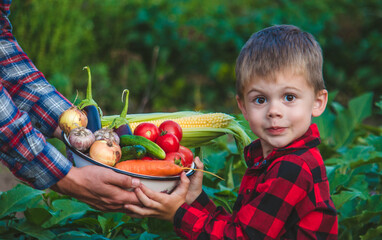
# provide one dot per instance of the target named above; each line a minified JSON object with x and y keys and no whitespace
{"x":274,"y":110}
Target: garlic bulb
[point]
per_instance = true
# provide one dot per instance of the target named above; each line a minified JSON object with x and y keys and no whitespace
{"x":81,"y":138}
{"x":107,"y":134}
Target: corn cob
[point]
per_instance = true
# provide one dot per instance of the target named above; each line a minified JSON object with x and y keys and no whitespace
{"x":198,"y":128}
{"x":213,"y":120}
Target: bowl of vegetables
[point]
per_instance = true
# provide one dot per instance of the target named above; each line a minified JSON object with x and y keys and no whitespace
{"x":156,"y":159}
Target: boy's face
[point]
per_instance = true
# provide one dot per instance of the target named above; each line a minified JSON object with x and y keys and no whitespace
{"x":280,"y":111}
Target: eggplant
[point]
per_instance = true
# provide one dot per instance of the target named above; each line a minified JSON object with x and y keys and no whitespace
{"x":94,"y":118}
{"x":120,"y":125}
{"x":90,"y":107}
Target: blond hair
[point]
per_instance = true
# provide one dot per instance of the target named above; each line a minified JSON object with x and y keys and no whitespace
{"x":279,"y":48}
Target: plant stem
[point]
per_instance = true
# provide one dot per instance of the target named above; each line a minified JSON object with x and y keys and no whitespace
{"x":124,"y":111}
{"x":89,"y":88}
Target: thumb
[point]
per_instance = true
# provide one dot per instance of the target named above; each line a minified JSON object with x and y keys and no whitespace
{"x":183,"y":186}
{"x":198,"y":163}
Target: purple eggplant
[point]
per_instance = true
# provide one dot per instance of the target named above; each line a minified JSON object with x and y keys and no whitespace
{"x":120,"y":125}
{"x":90,"y":107}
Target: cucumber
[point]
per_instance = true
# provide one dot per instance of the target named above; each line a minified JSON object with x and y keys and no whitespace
{"x":151,"y":147}
{"x":133,"y":152}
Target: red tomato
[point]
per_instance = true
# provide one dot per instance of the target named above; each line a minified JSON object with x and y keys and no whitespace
{"x":168,"y":142}
{"x":147,"y":158}
{"x":147,"y":130}
{"x":173,"y":127}
{"x":175,"y":157}
{"x":188,"y":156}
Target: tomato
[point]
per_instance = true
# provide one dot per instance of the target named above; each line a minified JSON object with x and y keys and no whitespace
{"x":147,"y":158}
{"x":168,"y":142}
{"x":175,"y":157}
{"x":188,"y":156}
{"x":147,"y":130}
{"x":173,"y":127}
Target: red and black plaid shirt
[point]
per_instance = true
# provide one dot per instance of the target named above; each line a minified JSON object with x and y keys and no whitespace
{"x":283,"y":196}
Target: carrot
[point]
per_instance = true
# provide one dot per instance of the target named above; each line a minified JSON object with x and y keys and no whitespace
{"x":155,"y":168}
{"x":150,"y":167}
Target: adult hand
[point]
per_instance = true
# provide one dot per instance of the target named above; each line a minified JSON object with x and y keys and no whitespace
{"x":99,"y":187}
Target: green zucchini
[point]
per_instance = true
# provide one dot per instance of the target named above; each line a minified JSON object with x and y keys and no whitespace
{"x":133,"y":152}
{"x":151,"y":147}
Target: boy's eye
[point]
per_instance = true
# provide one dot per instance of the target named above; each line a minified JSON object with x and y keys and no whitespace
{"x":260,"y":100}
{"x":289,"y":98}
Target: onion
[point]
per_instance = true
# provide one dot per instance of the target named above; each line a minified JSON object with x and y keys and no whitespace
{"x":72,"y":118}
{"x":106,"y":152}
{"x":81,"y":138}
{"x":107,"y":134}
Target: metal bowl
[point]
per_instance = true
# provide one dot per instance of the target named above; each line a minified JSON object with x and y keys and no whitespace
{"x":163,"y":184}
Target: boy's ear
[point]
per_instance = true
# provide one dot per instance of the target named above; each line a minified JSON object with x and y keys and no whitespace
{"x":241,"y":105}
{"x":320,"y":103}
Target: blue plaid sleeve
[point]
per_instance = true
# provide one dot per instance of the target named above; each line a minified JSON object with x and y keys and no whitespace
{"x":29,"y":110}
{"x":24,"y":150}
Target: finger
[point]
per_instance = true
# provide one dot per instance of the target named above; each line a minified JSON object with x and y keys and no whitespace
{"x":198,"y":163}
{"x":123,"y":181}
{"x":145,"y":200}
{"x":183,"y":186}
{"x":114,"y":195}
{"x":156,"y":196}
{"x":141,"y":211}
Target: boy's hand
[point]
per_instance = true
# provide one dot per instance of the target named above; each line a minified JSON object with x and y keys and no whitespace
{"x":196,"y":183}
{"x":160,"y":205}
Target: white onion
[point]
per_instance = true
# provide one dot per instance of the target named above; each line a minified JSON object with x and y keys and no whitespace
{"x":106,"y":152}
{"x":72,"y":118}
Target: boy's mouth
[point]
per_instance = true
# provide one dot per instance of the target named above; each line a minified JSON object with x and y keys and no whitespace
{"x":275,"y":130}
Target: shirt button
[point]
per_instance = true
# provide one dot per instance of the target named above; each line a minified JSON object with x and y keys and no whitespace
{"x":248,"y":191}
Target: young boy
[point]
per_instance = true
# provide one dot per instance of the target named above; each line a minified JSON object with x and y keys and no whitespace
{"x":284,"y":193}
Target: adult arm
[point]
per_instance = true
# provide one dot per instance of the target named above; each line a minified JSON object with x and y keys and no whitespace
{"x":30,"y":108}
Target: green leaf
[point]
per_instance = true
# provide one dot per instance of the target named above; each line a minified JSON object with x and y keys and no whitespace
{"x":103,"y":222}
{"x":372,"y":234}
{"x":66,"y":209}
{"x":360,"y":107}
{"x":16,"y":199}
{"x":344,"y":196}
{"x":34,"y":230}
{"x":75,"y":235}
{"x":158,"y":226}
{"x":148,"y":236}
{"x":375,"y":141}
{"x":88,"y":222}
{"x":37,"y":215}
{"x":364,"y":217}
{"x":325,"y":123}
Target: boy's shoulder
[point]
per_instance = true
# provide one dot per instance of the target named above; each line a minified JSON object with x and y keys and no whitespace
{"x":309,"y":163}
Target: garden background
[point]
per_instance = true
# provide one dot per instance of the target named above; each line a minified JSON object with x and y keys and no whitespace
{"x":180,"y":55}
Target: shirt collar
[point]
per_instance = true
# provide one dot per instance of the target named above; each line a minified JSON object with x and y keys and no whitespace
{"x":253,"y":153}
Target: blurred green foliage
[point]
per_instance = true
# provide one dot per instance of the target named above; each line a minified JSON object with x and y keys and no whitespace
{"x":180,"y":55}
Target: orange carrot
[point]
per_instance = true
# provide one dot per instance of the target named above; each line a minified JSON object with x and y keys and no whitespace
{"x":150,"y":167}
{"x":155,"y":168}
